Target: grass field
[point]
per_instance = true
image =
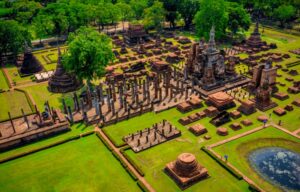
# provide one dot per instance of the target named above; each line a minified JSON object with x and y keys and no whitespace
{"x":239,"y":149}
{"x":13,"y":101}
{"x":40,"y":95}
{"x":81,"y":165}
{"x":152,"y":161}
{"x":52,"y":54}
{"x":3,"y":83}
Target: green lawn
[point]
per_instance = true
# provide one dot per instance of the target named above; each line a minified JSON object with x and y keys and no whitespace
{"x":81,"y":165}
{"x":52,"y":54}
{"x":239,"y":149}
{"x":40,"y":95}
{"x":152,"y":161}
{"x":15,"y":76}
{"x":13,"y":101}
{"x":3,"y":83}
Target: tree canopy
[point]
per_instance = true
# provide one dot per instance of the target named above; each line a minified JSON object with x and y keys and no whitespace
{"x":13,"y":38}
{"x":212,"y":13}
{"x":89,"y":52}
{"x":154,"y":16}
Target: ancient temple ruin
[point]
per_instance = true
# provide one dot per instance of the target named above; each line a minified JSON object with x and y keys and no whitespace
{"x":186,"y":171}
{"x":254,"y":40}
{"x":62,"y":81}
{"x":30,"y":64}
{"x":263,"y":99}
{"x":262,"y":72}
{"x":206,"y":67}
{"x":135,"y":34}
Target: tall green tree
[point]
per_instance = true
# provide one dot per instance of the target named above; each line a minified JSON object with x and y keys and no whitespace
{"x":238,"y":18}
{"x":284,"y":13}
{"x":188,"y":10}
{"x":24,"y":10}
{"x":154,"y":16}
{"x":43,"y":26}
{"x":126,"y":13}
{"x":13,"y":38}
{"x":138,"y":7}
{"x":89,"y":52}
{"x":211,"y":13}
{"x":171,"y":7}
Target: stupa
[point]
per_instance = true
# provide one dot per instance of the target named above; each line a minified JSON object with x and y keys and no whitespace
{"x":254,"y":40}
{"x":206,"y":66}
{"x":186,"y":171}
{"x":62,"y":81}
{"x":30,"y":64}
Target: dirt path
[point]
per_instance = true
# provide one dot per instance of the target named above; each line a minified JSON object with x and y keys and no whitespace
{"x":117,"y":150}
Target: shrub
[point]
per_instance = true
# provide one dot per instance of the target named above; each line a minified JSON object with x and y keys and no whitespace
{"x":103,"y":141}
{"x":138,"y":169}
{"x":39,"y":149}
{"x":142,"y":186}
{"x":87,"y":133}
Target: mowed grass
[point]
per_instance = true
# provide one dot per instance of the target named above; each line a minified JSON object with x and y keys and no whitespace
{"x":153,"y":160}
{"x":41,"y":94}
{"x":3,"y":83}
{"x":76,"y":129}
{"x":238,"y":150}
{"x":15,"y":76}
{"x":81,"y":165}
{"x":52,"y":55}
{"x":13,"y":102}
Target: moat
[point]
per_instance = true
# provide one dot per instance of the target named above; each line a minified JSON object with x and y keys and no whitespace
{"x":279,"y":166}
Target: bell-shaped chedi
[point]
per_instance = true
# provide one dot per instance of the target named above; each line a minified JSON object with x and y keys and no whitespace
{"x":255,"y":39}
{"x":62,"y":81}
{"x":30,"y":64}
{"x":186,"y":170}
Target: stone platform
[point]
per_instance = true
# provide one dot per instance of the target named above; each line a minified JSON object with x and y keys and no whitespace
{"x":149,"y":137}
{"x":17,"y":132}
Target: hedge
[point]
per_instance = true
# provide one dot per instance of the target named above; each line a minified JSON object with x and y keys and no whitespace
{"x":293,"y":64}
{"x":126,"y":147}
{"x":142,"y":186}
{"x":113,"y":140}
{"x":253,"y":188}
{"x":39,"y":149}
{"x":87,"y":133}
{"x":138,"y":169}
{"x":103,"y":141}
{"x":122,"y":162}
{"x":223,"y":164}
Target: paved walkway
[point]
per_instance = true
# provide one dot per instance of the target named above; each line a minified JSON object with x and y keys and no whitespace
{"x":237,"y":136}
{"x":117,"y":150}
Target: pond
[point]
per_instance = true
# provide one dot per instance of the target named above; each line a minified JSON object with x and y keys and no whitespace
{"x":277,"y":165}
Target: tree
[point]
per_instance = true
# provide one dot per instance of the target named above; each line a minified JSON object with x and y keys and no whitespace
{"x":188,"y":10}
{"x":43,"y":26}
{"x":13,"y":37}
{"x":89,"y":52}
{"x":238,"y":18}
{"x":284,"y":13}
{"x":126,"y":12}
{"x":24,"y":11}
{"x":154,"y":16}
{"x":138,"y":7}
{"x":211,"y":13}
{"x":171,"y":7}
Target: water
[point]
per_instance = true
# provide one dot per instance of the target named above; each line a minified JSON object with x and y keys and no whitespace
{"x":279,"y":166}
